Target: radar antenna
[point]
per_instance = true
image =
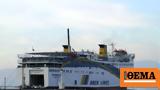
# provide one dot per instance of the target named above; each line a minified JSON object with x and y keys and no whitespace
{"x":113,"y":47}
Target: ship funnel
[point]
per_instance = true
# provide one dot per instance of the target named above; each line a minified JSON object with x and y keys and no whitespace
{"x":102,"y":50}
{"x":66,"y":49}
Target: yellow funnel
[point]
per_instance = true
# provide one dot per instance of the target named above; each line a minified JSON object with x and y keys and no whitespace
{"x":103,"y":50}
{"x":66,"y":49}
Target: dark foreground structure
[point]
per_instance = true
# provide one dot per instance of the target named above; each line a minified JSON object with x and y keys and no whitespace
{"x":18,"y":88}
{"x":68,"y":89}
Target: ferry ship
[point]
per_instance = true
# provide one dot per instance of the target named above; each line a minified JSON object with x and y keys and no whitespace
{"x":71,"y":69}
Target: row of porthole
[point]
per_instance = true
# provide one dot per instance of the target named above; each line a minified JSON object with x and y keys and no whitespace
{"x":84,"y":72}
{"x":87,"y":72}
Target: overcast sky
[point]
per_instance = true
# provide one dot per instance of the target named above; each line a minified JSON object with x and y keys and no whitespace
{"x":131,"y":24}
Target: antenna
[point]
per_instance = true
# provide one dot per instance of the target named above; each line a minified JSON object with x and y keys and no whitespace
{"x":113,"y":47}
{"x":112,"y":44}
{"x":69,"y":46}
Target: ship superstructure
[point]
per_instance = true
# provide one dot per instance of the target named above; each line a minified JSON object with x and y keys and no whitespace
{"x":70,"y":69}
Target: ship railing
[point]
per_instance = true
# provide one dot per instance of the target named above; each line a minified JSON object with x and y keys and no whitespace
{"x":30,"y":55}
{"x":21,"y":56}
{"x":114,"y":62}
{"x":37,"y":61}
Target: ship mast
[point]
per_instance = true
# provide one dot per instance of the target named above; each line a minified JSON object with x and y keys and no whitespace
{"x":69,"y":46}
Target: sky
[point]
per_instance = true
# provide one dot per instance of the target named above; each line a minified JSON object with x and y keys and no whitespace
{"x":132,"y":25}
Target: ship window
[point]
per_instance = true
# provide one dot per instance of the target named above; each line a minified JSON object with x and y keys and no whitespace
{"x":68,"y":71}
{"x":90,"y":72}
{"x":39,"y":65}
{"x":75,"y":82}
{"x":35,"y":65}
{"x":102,"y":73}
{"x":53,"y":65}
{"x":19,"y":66}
